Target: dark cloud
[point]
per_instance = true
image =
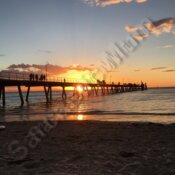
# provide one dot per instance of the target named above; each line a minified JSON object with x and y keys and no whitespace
{"x":169,"y":70}
{"x":51,"y":69}
{"x":136,"y":70}
{"x":15,"y":66}
{"x":158,"y":68}
{"x":162,"y":25}
{"x":163,"y":21}
{"x":158,"y":27}
{"x":2,"y":55}
{"x":45,"y":51}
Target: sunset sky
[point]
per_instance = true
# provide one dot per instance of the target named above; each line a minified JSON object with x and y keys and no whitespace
{"x":73,"y":38}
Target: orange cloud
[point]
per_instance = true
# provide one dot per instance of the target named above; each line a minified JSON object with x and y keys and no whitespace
{"x":158,"y":27}
{"x":132,"y":28}
{"x":141,"y":1}
{"x":161,"y":26}
{"x":104,"y":3}
{"x":140,"y":36}
{"x":167,"y":46}
{"x":136,"y":70}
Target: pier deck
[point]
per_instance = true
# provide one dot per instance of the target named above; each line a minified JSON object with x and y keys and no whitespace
{"x":92,"y":89}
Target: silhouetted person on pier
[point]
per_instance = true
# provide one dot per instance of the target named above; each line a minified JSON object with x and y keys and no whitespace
{"x":103,"y":82}
{"x":40,"y":77}
{"x":64,"y":80}
{"x":31,"y":77}
{"x":36,"y":77}
{"x":99,"y":82}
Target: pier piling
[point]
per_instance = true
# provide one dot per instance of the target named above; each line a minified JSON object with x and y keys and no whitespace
{"x":0,"y":92}
{"x":20,"y":95}
{"x":50,"y":92}
{"x":27,"y":95}
{"x":46,"y":93}
{"x":3,"y":95}
{"x":64,"y":96}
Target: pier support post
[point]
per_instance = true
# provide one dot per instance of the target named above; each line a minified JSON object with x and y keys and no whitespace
{"x":122,"y":88}
{"x":20,"y":94}
{"x":46,"y":93}
{"x":92,"y":91}
{"x":86,"y":89}
{"x":27,"y":95}
{"x":111,"y":90}
{"x":74,"y":91}
{"x":96,"y":90}
{"x":115,"y":89}
{"x":0,"y":92}
{"x":107,"y":92}
{"x":50,"y":92}
{"x":64,"y":96}
{"x":102,"y":90}
{"x":3,"y":95}
{"x":89,"y":92}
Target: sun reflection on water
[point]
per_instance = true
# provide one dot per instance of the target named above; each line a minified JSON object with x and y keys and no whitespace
{"x":80,"y":117}
{"x":79,"y":89}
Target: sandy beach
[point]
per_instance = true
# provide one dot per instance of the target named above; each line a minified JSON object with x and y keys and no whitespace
{"x":87,"y":148}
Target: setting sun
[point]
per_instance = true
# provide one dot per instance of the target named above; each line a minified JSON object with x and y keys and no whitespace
{"x":79,"y":88}
{"x":80,"y":117}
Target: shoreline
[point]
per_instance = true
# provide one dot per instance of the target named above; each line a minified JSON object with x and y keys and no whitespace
{"x":88,"y":147}
{"x":101,"y":117}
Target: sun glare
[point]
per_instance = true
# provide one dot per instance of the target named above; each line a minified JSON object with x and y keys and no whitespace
{"x":79,"y":88}
{"x":80,"y":117}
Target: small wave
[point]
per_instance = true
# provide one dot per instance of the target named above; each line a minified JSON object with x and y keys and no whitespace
{"x":96,"y":112}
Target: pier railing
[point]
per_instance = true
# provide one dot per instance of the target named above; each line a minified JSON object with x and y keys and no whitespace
{"x":26,"y":77}
{"x":14,"y":76}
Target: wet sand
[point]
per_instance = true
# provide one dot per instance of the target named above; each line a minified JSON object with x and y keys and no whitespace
{"x":87,"y":148}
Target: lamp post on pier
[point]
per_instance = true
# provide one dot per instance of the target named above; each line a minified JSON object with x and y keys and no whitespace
{"x":46,"y":68}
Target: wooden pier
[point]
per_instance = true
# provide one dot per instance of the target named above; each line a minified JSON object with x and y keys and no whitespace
{"x":92,"y":89}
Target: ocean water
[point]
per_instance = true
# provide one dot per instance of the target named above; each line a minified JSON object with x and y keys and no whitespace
{"x":153,"y":105}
